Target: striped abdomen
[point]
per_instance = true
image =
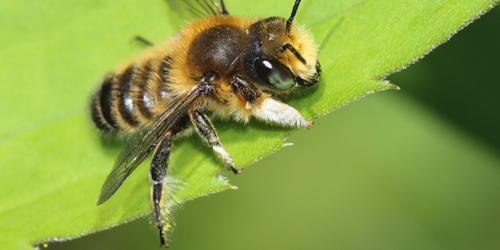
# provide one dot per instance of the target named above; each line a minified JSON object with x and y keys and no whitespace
{"x":130,"y":98}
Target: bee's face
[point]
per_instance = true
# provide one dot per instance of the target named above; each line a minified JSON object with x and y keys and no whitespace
{"x":279,"y":58}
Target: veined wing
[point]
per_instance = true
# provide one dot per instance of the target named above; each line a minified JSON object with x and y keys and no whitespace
{"x":141,"y":144}
{"x":198,"y":8}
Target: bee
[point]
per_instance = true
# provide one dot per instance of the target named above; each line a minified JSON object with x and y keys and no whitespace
{"x":220,"y":65}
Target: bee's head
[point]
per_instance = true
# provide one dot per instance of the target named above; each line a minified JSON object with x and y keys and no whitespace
{"x":281,"y":54}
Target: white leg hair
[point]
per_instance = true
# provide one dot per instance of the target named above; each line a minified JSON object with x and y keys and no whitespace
{"x":273,"y":110}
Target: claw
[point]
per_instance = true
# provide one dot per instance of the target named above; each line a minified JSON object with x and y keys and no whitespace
{"x":306,"y":124}
{"x":237,"y":171}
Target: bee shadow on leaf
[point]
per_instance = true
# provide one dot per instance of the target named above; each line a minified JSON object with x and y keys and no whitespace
{"x":112,"y":144}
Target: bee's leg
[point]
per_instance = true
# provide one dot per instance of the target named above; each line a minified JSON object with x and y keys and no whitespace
{"x":142,"y":40}
{"x":267,"y":108}
{"x":207,"y":132}
{"x":157,"y":172}
{"x":272,"y":110}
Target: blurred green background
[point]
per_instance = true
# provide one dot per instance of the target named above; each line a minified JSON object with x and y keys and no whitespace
{"x":410,"y":169}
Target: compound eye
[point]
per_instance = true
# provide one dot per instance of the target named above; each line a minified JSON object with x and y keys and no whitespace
{"x":274,"y":74}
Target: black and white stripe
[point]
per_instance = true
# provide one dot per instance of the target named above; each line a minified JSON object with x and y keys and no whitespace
{"x":127,"y":99}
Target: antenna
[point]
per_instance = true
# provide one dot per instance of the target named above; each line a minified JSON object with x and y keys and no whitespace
{"x":294,"y":11}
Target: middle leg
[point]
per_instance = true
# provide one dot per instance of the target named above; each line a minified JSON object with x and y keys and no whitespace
{"x":206,"y":130}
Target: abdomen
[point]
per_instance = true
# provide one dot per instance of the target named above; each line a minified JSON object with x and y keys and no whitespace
{"x":131,"y":97}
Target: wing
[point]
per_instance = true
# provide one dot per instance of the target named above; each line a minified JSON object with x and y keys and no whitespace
{"x":141,"y":144}
{"x":199,"y":8}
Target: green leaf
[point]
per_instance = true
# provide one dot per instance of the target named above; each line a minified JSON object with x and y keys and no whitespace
{"x":54,"y":54}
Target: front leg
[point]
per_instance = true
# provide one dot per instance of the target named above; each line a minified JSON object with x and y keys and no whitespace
{"x":267,"y":108}
{"x":272,"y":110}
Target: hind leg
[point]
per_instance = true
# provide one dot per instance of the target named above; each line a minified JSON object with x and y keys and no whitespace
{"x":157,"y":172}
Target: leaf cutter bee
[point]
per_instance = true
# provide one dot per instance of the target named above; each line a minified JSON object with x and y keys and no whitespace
{"x":222,"y":65}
